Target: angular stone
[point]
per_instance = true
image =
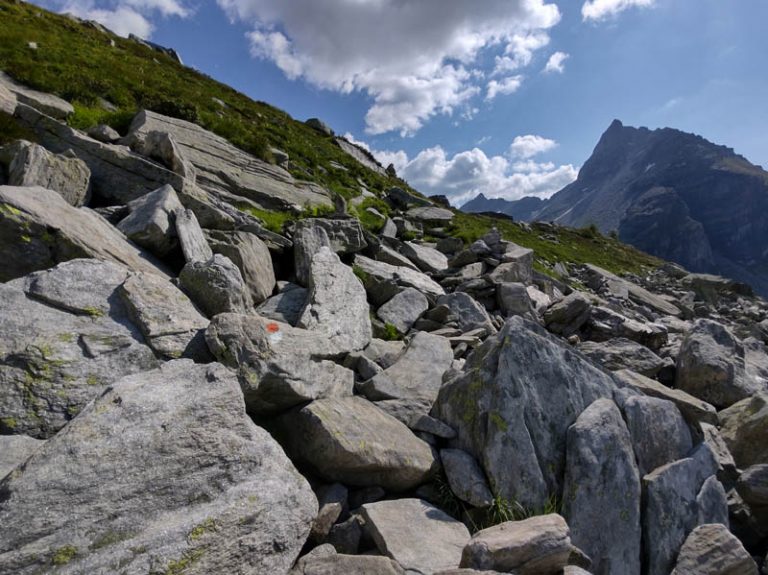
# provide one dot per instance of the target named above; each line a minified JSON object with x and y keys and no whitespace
{"x":693,"y":409}
{"x":280,"y":366}
{"x":49,"y":104}
{"x":726,"y":470}
{"x":426,"y":259}
{"x":194,"y":246}
{"x":15,"y":450}
{"x":151,"y":223}
{"x":169,"y":322}
{"x":216,"y":286}
{"x":622,"y":353}
{"x":382,"y":280}
{"x":659,"y":432}
{"x":287,"y":306}
{"x":64,"y":337}
{"x":307,"y":241}
{"x":567,"y":316}
{"x":601,"y":493}
{"x":403,"y":309}
{"x":384,"y":353}
{"x":744,"y":427}
{"x":619,"y":287}
{"x":337,"y":306}
{"x":431,"y":214}
{"x":711,"y":366}
{"x":164,"y":469}
{"x":470,"y":313}
{"x":671,"y":510}
{"x":753,"y":485}
{"x":7,"y":100}
{"x":712,"y":550}
{"x":162,"y":146}
{"x":605,"y":324}
{"x":513,"y":299}
{"x":465,"y":477}
{"x":418,"y":374}
{"x":391,"y":257}
{"x":350,"y":440}
{"x":39,"y":229}
{"x":431,"y":425}
{"x":348,"y":565}
{"x":33,"y":165}
{"x":531,"y":547}
{"x":419,"y":536}
{"x":512,"y":405}
{"x":104,"y":134}
{"x":540,"y":300}
{"x":252,"y":258}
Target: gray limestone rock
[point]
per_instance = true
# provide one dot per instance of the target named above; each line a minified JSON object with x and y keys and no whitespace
{"x":39,"y":229}
{"x":162,"y":470}
{"x":471,"y":315}
{"x":152,"y":221}
{"x":280,"y":366}
{"x":307,"y":241}
{"x":416,"y":534}
{"x":33,"y":165}
{"x":711,"y":366}
{"x":531,"y":547}
{"x":671,"y":507}
{"x":64,"y":337}
{"x":744,"y":427}
{"x":659,"y":432}
{"x":465,"y":477}
{"x":426,"y":259}
{"x":431,"y":215}
{"x":403,"y":309}
{"x":391,"y":257}
{"x":622,"y":353}
{"x":162,"y":146}
{"x":169,"y":322}
{"x":712,"y":550}
{"x":512,"y":406}
{"x":252,"y":258}
{"x":513,"y":299}
{"x":382,"y":280}
{"x":601,"y":492}
{"x":567,"y":316}
{"x":194,"y":246}
{"x":350,"y":440}
{"x":15,"y":450}
{"x":216,"y":286}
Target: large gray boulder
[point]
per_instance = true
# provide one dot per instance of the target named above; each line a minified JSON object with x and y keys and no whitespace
{"x":286,"y":306}
{"x":350,"y":440}
{"x":606,"y":324}
{"x":39,"y":229}
{"x":417,"y":374}
{"x":512,"y":406}
{"x":403,"y":309}
{"x":416,"y":534}
{"x":49,"y":104}
{"x":601,"y":494}
{"x":194,"y":246}
{"x":216,"y":286}
{"x":427,"y":259}
{"x":674,"y":506}
{"x":307,"y":241}
{"x":152,"y":221}
{"x":33,"y":165}
{"x":745,"y":429}
{"x":531,"y":547}
{"x":65,"y":336}
{"x":338,"y":564}
{"x":15,"y":450}
{"x":163,"y":472}
{"x":659,"y":432}
{"x":622,"y":353}
{"x":471,"y":315}
{"x":252,"y":258}
{"x":713,"y":550}
{"x":465,"y":477}
{"x":567,"y":316}
{"x":753,"y":485}
{"x":431,"y":215}
{"x":280,"y":366}
{"x":382,"y":280}
{"x":711,"y":366}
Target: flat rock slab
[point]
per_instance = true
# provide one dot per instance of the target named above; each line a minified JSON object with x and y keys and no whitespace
{"x":416,"y":534}
{"x":350,"y":440}
{"x":164,"y":470}
{"x":531,"y":547}
{"x":426,"y":259}
{"x":431,"y":214}
{"x":382,"y":280}
{"x":621,"y":287}
{"x":39,"y":229}
{"x":622,"y":353}
{"x":403,"y":309}
{"x":47,"y":103}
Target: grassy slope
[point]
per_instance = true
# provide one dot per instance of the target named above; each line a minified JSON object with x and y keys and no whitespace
{"x":79,"y":63}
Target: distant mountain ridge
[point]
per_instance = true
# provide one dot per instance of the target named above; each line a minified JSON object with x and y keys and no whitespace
{"x":672,"y":194}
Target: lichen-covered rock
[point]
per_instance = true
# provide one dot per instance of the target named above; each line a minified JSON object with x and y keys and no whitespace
{"x":164,"y":471}
{"x":744,"y":427}
{"x":622,"y":353}
{"x":350,"y":440}
{"x":216,"y":286}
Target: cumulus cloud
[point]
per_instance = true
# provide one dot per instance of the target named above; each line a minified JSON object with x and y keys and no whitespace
{"x":123,"y":17}
{"x":602,"y":9}
{"x":414,"y":58}
{"x":556,"y":63}
{"x":464,"y":175}
{"x":530,"y":145}
{"x":506,"y":86}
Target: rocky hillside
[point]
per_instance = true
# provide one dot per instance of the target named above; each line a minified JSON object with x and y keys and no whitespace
{"x":671,"y":194}
{"x":384,"y":386}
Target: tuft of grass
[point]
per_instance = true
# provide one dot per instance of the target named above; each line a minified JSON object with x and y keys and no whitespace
{"x":10,"y":130}
{"x":273,"y":221}
{"x":390,"y":333}
{"x":64,"y":555}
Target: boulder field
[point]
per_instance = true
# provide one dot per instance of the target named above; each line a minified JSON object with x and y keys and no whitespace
{"x":183,"y":390}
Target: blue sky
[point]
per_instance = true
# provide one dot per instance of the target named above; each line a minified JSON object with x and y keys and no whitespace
{"x":505,"y":97}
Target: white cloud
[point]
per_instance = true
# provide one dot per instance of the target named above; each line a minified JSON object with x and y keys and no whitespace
{"x":506,"y":86}
{"x":602,"y":9}
{"x":468,"y":173}
{"x":530,"y":145}
{"x":414,"y":58}
{"x":556,"y":63}
{"x":123,"y":17}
